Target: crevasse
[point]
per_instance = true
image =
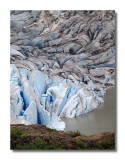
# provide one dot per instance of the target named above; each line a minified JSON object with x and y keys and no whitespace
{"x":37,"y":99}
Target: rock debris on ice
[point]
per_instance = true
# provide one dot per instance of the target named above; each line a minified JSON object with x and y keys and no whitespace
{"x":61,"y":64}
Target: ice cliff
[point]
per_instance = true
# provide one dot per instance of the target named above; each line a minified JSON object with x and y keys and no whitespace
{"x":36,"y":99}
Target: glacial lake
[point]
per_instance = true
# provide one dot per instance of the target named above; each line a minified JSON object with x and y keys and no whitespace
{"x":101,"y":119}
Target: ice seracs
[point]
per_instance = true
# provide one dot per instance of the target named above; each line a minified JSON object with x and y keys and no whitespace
{"x":16,"y":101}
{"x":24,"y":101}
{"x":39,"y":99}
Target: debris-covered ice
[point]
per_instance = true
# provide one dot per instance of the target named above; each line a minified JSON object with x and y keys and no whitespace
{"x":62,"y":62}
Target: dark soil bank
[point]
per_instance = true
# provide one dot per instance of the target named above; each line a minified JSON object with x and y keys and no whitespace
{"x":39,"y":137}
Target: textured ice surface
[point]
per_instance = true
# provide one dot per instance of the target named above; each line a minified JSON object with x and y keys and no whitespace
{"x":26,"y":91}
{"x":38,"y":99}
{"x":16,"y":101}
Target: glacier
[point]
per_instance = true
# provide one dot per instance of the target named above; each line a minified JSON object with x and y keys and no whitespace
{"x":37,"y":98}
{"x":62,"y":62}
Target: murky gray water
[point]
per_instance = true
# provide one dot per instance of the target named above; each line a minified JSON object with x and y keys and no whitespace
{"x":101,"y":119}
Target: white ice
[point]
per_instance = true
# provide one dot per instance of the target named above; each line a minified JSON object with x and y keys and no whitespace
{"x":38,"y":99}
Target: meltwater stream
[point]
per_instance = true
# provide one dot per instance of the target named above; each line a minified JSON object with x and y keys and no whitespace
{"x":101,"y":119}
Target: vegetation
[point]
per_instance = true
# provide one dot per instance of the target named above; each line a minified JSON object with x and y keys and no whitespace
{"x":81,"y":145}
{"x":51,"y":130}
{"x":38,"y":137}
{"x":104,"y":144}
{"x":75,"y":134}
{"x":38,"y":144}
{"x":16,"y":133}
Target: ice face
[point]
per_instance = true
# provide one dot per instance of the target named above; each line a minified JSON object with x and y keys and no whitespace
{"x":27,"y":89}
{"x":58,"y":96}
{"x":49,"y":119}
{"x":16,"y":101}
{"x":38,"y":81}
{"x":38,"y":99}
{"x":80,"y":103}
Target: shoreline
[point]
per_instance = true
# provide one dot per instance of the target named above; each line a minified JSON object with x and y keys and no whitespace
{"x":39,"y":137}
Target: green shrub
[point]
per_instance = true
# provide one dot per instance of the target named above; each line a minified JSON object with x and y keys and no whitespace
{"x":75,"y":134}
{"x":51,"y":130}
{"x":38,"y":144}
{"x":104,"y":144}
{"x":81,"y":145}
{"x":15,"y":133}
